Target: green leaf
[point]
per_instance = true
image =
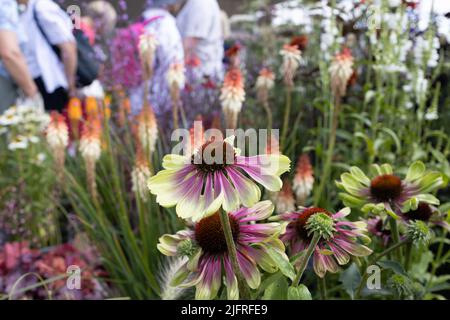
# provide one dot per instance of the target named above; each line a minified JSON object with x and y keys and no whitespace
{"x":299,"y":293}
{"x":350,"y":279}
{"x":276,"y":290}
{"x":392,"y":265}
{"x":282,"y":262}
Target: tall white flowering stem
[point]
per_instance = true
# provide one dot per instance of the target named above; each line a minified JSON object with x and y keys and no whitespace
{"x":304,"y":262}
{"x":244,"y":291}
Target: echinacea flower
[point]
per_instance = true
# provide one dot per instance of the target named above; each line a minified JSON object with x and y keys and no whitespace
{"x":292,"y":59}
{"x":264,"y":83}
{"x":208,"y":260}
{"x":427,"y":214}
{"x":341,"y":70}
{"x":232,"y":96}
{"x":386,"y":191}
{"x":304,"y":179}
{"x":333,"y":250}
{"x":284,"y":199}
{"x":147,"y":129}
{"x":215,"y":176}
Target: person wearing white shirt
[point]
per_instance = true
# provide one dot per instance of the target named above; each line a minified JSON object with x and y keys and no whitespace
{"x":200,"y":24}
{"x":49,"y":30}
{"x":13,"y":66}
{"x":169,"y":51}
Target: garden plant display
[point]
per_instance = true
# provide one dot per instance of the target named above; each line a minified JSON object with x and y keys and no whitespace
{"x":344,"y":196}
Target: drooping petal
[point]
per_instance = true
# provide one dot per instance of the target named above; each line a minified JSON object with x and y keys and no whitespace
{"x":230,"y":280}
{"x":249,"y":270}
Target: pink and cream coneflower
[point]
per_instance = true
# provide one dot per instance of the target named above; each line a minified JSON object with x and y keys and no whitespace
{"x":292,"y":59}
{"x":57,"y":135}
{"x":140,"y":175}
{"x":232,"y":96}
{"x":91,"y":149}
{"x":207,"y":260}
{"x":383,"y":191}
{"x":304,"y":179}
{"x":215,"y":176}
{"x":264,"y":83}
{"x":147,"y":130}
{"x":333,"y":249}
{"x":341,"y":71}
{"x":284,"y":199}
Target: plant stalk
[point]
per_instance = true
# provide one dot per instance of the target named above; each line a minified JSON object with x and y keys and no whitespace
{"x":244,"y":291}
{"x":304,"y":261}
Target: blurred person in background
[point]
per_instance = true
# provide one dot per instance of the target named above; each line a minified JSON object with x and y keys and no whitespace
{"x":160,"y":23}
{"x":201,"y":25}
{"x":13,"y":67}
{"x":97,"y":25}
{"x":52,"y":53}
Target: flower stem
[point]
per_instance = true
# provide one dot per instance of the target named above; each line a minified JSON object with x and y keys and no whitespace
{"x":269,"y":115}
{"x":408,"y":256}
{"x":395,"y":234}
{"x":329,"y":158}
{"x":244,"y":291}
{"x":304,"y":262}
{"x":323,"y":288}
{"x":375,"y":260}
{"x":287,"y":112}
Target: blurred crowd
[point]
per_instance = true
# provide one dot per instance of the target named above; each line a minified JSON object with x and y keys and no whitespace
{"x":49,"y":55}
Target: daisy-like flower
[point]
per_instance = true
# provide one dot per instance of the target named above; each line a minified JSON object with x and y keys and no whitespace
{"x":19,"y":142}
{"x":147,"y":49}
{"x":232,"y":96}
{"x":208,"y":260}
{"x":147,"y":129}
{"x":57,"y":135}
{"x":292,"y":59}
{"x":304,"y":179}
{"x":140,"y":175}
{"x":215,"y":176}
{"x":264,"y":83}
{"x":387,"y":192}
{"x":332,"y":250}
{"x":9,"y":119}
{"x":341,"y":71}
{"x":284,"y":199}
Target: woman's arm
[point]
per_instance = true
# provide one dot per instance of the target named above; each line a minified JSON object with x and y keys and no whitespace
{"x":15,"y":63}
